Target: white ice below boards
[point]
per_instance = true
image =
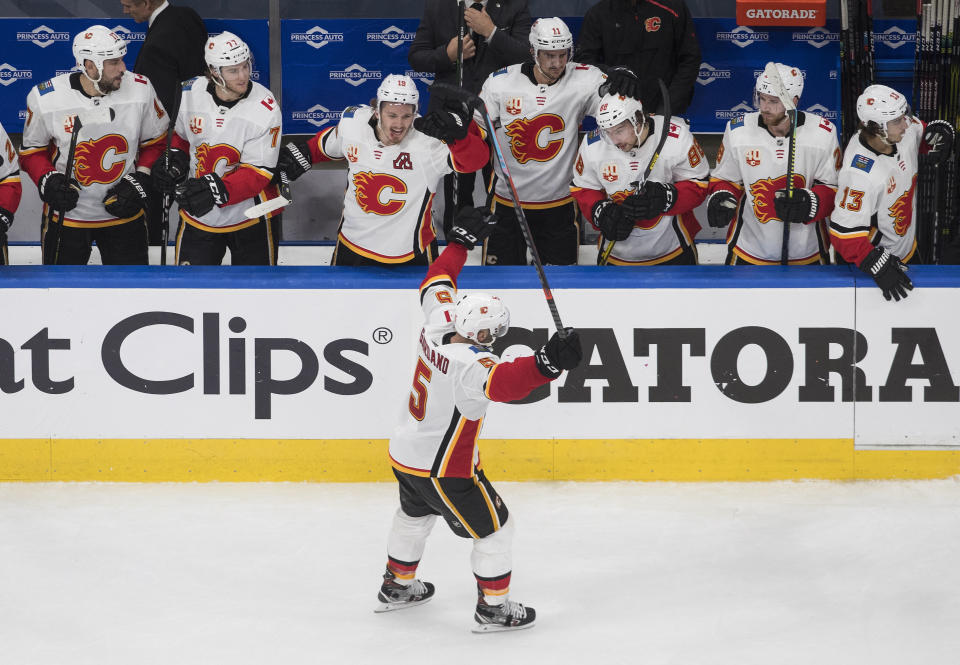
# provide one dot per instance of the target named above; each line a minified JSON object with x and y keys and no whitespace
{"x":692,"y":574}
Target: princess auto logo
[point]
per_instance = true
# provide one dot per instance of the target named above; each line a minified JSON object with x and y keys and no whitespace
{"x":816,"y":37}
{"x":43,"y":36}
{"x":735,"y":112}
{"x":823,"y":112}
{"x":425,"y":77}
{"x":130,"y":35}
{"x":709,"y":74}
{"x":316,"y":37}
{"x":355,"y":75}
{"x":895,"y":37}
{"x":392,"y":36}
{"x":316,"y":115}
{"x":743,"y":36}
{"x":10,"y":74}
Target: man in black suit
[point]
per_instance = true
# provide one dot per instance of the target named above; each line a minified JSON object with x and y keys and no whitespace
{"x":497,"y":33}
{"x":171,"y":53}
{"x":653,"y":39}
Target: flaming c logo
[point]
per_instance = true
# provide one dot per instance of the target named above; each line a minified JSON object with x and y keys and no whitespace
{"x":762,"y":193}
{"x":369,"y":190}
{"x":902,"y":210}
{"x":210,"y":156}
{"x":89,"y":165}
{"x":525,"y":138}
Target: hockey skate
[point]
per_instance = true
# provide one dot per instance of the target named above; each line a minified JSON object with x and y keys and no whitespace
{"x":497,"y":618}
{"x":396,"y":596}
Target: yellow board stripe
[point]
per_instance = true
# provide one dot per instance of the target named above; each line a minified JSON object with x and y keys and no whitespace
{"x":362,"y":460}
{"x":452,"y":508}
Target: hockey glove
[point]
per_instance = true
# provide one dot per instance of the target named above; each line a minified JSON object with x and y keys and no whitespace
{"x":559,"y":354}
{"x":59,"y":192}
{"x":721,"y":207}
{"x":653,"y":199}
{"x":472,"y":226}
{"x":612,"y":220}
{"x":294,"y":159}
{"x":166,"y":178}
{"x":889,"y":274}
{"x":621,"y":81}
{"x":197,"y":196}
{"x":799,"y":209}
{"x":6,"y":221}
{"x":938,"y":137}
{"x":129,"y":196}
{"x":450,"y":124}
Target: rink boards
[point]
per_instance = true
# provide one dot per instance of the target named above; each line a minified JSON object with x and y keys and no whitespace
{"x":708,"y":373}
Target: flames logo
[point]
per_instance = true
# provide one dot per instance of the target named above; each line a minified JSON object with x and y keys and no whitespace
{"x":901,"y":212}
{"x":210,"y":156}
{"x":89,"y":160}
{"x":525,"y":134}
{"x":762,"y":192}
{"x":610,"y":172}
{"x":369,"y":187}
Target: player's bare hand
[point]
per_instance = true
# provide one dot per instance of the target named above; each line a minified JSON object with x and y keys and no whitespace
{"x":469,"y":48}
{"x":479,"y":21}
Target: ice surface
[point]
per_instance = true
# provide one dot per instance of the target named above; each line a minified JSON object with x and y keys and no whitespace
{"x":692,"y":574}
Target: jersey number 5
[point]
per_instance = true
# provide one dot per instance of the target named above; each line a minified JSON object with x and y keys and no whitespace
{"x":418,"y":398}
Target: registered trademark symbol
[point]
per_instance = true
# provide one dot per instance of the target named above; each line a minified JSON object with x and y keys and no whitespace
{"x":382,"y":335}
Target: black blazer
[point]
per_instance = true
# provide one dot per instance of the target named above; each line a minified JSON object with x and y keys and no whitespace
{"x":172,"y":53}
{"x":510,"y":45}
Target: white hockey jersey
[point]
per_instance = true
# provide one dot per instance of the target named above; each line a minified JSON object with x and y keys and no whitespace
{"x":537,"y":126}
{"x":9,"y":163}
{"x":437,"y":434}
{"x":752,"y":159}
{"x":106,"y":149}
{"x":600,"y":165}
{"x":875,"y":194}
{"x":224,"y":140}
{"x":387,"y":205}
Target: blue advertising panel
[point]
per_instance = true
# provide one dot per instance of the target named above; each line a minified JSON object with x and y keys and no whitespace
{"x":38,"y":49}
{"x":733,"y":57}
{"x":330,"y":64}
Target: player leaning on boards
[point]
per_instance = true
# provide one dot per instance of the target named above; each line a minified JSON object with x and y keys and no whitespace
{"x":434,"y":448}
{"x":10,"y":190}
{"x":748,"y":184}
{"x":539,"y":106}
{"x":221,"y":161}
{"x":874,"y":224}
{"x":648,"y":226}
{"x":395,"y":161}
{"x":120,"y":134}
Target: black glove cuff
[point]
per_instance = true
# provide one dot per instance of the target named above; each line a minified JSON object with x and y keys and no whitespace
{"x":546,"y":368}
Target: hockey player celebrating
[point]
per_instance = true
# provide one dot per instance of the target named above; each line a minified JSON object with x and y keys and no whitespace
{"x":751,"y":173}
{"x":395,"y":161}
{"x":122,"y":127}
{"x":539,"y":106}
{"x":221,"y":161}
{"x":646,"y":225}
{"x":434,"y":449}
{"x":10,"y":190}
{"x":874,"y":224}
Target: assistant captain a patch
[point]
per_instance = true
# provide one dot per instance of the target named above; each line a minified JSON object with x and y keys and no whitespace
{"x":862,"y":163}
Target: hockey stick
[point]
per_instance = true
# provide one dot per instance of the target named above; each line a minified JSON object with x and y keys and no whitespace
{"x":474,"y":102}
{"x":284,"y":199}
{"x":461,"y":33}
{"x":61,"y":214}
{"x":771,"y":72}
{"x":167,"y":198}
{"x":637,"y":184}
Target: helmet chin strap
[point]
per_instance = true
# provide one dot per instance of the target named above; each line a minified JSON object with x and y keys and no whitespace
{"x":96,"y":81}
